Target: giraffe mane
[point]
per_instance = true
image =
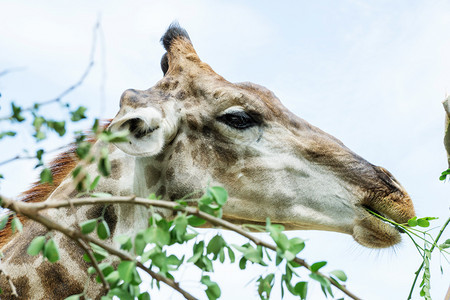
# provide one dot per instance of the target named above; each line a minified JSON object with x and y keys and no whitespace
{"x":60,"y":166}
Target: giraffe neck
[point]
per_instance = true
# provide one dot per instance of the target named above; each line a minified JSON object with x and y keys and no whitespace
{"x":38,"y":279}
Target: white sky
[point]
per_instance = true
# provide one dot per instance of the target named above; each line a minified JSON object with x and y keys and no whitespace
{"x":372,"y":73}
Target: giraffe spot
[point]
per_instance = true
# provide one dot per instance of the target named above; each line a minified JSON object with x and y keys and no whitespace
{"x":18,"y":250}
{"x":57,"y":282}
{"x":181,"y":95}
{"x":152,"y":176}
{"x":192,"y":138}
{"x":109,"y":216}
{"x":179,"y":147}
{"x":192,"y":122}
{"x":75,"y":252}
{"x":22,"y":285}
{"x":161,"y":191}
{"x":226,"y":154}
{"x":170,"y":174}
{"x":194,"y":154}
{"x":116,"y":169}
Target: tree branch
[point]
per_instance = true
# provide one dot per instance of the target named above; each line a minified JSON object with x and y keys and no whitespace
{"x":33,"y":213}
{"x":88,"y":251}
{"x":33,"y":209}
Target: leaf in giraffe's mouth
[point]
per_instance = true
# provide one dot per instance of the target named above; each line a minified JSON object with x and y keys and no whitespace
{"x":381,"y":217}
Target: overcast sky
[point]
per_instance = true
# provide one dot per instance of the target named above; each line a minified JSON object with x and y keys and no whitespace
{"x":372,"y":73}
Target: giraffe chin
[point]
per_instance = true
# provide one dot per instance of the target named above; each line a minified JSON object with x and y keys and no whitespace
{"x":371,"y":232}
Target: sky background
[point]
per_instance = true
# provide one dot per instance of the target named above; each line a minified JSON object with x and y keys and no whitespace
{"x":371,"y":73}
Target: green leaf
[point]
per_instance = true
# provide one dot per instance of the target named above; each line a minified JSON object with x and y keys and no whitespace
{"x":51,"y":251}
{"x":36,"y":246}
{"x":339,"y":275}
{"x":219,"y":194}
{"x":104,"y":165}
{"x":157,"y":235}
{"x":46,"y":176}
{"x":112,"y":277}
{"x":16,"y":225}
{"x":296,"y":245}
{"x":144,"y":296}
{"x":179,"y":229}
{"x":99,"y":252}
{"x":126,"y":269}
{"x":3,"y":221}
{"x":215,"y":245}
{"x":423,"y":222}
{"x":16,"y":113}
{"x":78,"y":114}
{"x":95,"y":183}
{"x":231,"y":255}
{"x":103,"y":230}
{"x":317,"y":266}
{"x":7,"y":133}
{"x":88,"y":226}
{"x":83,"y":149}
{"x":139,"y":243}
{"x":58,"y":126}
{"x":324,"y":282}
{"x":213,"y":290}
{"x":301,"y":289}
{"x":124,"y":241}
{"x":242,"y":263}
{"x":412,"y":222}
{"x":265,"y":286}
{"x":197,"y":252}
{"x":195,"y":221}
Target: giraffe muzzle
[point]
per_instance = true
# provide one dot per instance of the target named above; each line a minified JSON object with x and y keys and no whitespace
{"x":146,"y":136}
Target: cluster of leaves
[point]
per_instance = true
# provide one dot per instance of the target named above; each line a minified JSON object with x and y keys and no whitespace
{"x":149,"y":248}
{"x":418,"y":231}
{"x":42,"y":125}
{"x":287,"y":251}
{"x":444,"y":174}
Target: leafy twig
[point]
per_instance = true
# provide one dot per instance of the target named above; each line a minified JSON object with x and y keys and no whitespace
{"x":31,"y":210}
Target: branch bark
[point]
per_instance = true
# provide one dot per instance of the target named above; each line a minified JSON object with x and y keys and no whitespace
{"x":31,"y":210}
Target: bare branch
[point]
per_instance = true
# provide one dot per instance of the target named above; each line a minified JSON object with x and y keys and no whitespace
{"x":33,"y":209}
{"x":7,"y":71}
{"x":88,"y":251}
{"x":73,"y":86}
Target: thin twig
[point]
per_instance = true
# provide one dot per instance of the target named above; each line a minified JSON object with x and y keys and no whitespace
{"x":11,"y":284}
{"x":21,"y":157}
{"x":33,"y":208}
{"x":73,"y":86}
{"x":88,"y":251}
{"x":10,"y":70}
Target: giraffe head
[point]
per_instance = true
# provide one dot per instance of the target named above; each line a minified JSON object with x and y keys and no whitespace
{"x":194,"y":128}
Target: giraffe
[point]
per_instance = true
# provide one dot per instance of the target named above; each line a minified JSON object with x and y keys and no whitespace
{"x":194,"y":128}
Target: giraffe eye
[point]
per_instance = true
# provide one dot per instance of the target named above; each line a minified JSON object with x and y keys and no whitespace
{"x":238,"y":120}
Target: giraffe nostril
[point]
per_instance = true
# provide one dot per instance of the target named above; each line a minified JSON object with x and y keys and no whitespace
{"x":137,"y":127}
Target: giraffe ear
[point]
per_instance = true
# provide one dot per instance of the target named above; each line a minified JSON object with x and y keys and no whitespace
{"x":147,"y":131}
{"x":164,"y":63}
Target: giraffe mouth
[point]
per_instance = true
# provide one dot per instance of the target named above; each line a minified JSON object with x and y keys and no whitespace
{"x":382,"y":217}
